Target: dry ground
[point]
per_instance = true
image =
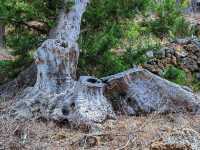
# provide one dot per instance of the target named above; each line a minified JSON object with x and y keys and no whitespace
{"x":136,"y":133}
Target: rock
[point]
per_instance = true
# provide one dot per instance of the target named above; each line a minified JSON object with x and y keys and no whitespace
{"x":161,"y":53}
{"x":183,"y":41}
{"x":150,"y":54}
{"x":170,"y":51}
{"x":198,"y":62}
{"x":174,"y":61}
{"x":196,"y":43}
{"x":168,"y":55}
{"x":194,"y":57}
{"x":191,"y":48}
{"x":197,"y":54}
{"x":152,"y":68}
{"x":181,"y":54}
{"x":198,"y":76}
{"x":190,"y":64}
{"x":144,"y":92}
{"x":185,"y":137}
{"x":163,"y":146}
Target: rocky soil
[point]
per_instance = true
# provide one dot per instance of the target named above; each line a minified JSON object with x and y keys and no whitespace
{"x":183,"y":53}
{"x":150,"y":132}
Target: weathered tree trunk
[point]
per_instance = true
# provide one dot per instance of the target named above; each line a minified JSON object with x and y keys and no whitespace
{"x":56,"y":95}
{"x":138,"y":91}
{"x":88,"y":101}
{"x":195,"y":6}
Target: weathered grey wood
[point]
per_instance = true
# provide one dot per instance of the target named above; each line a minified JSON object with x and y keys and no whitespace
{"x":56,"y":61}
{"x":195,"y":6}
{"x":143,"y":92}
{"x":88,"y":104}
{"x":57,"y":95}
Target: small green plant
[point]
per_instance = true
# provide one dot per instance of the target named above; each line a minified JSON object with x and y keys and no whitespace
{"x":175,"y":75}
{"x":195,"y":84}
{"x":69,"y":5}
{"x":4,"y":71}
{"x":168,"y":20}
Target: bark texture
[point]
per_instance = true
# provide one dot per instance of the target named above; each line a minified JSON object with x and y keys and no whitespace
{"x":88,"y":101}
{"x":56,"y":95}
{"x":143,"y":92}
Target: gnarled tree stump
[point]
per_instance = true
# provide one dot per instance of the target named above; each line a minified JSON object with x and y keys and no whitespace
{"x":57,"y":95}
{"x":88,"y":104}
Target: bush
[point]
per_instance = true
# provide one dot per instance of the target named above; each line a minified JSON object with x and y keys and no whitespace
{"x":176,"y":75}
{"x":168,"y":20}
{"x":5,"y":71}
{"x":107,"y":26}
{"x":15,"y":14}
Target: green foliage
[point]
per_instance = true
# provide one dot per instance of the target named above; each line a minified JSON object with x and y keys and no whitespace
{"x":181,"y":28}
{"x":176,"y":75}
{"x":168,"y":19}
{"x":195,"y":83}
{"x":21,"y":37}
{"x":136,"y":56}
{"x":115,"y":34}
{"x":98,"y":57}
{"x":4,"y":71}
{"x":108,"y":25}
{"x":69,"y":5}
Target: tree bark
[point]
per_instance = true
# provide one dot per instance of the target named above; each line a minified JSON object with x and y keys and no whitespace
{"x":138,"y":91}
{"x":59,"y":96}
{"x":56,"y":94}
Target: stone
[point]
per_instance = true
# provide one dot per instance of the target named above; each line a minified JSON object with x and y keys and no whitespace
{"x":198,"y":76}
{"x":193,"y":57}
{"x":164,"y":146}
{"x":174,"y":61}
{"x":168,"y":55}
{"x":191,"y":48}
{"x":190,"y":64}
{"x":161,"y":53}
{"x":150,"y":54}
{"x":185,"y":137}
{"x":183,"y":41}
{"x":181,"y":54}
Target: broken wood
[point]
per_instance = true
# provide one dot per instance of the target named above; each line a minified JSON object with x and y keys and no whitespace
{"x":138,"y":91}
